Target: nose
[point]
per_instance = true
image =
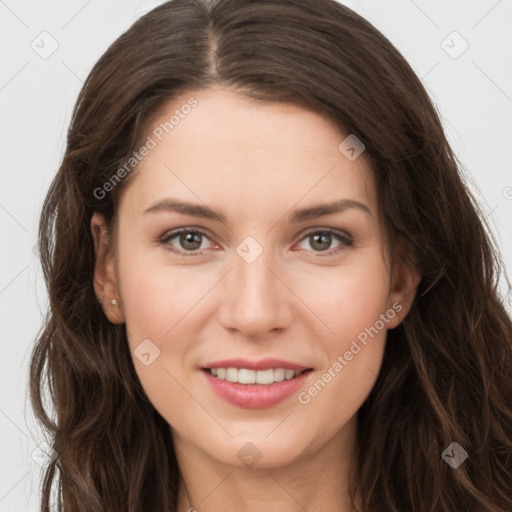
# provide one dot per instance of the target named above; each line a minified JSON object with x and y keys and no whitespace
{"x":259,"y":301}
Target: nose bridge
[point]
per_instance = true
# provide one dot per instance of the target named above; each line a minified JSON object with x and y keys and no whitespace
{"x":258,"y":300}
{"x":255,"y":279}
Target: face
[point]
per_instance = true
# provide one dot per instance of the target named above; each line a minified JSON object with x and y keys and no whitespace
{"x":270,"y":285}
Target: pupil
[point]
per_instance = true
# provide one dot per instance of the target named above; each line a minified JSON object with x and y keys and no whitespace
{"x":187,"y":238}
{"x":326,"y":237}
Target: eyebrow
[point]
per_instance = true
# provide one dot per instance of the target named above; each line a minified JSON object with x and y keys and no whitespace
{"x":299,"y":215}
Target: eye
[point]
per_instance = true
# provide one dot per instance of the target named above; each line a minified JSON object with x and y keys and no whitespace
{"x":189,"y":239}
{"x":321,"y":239}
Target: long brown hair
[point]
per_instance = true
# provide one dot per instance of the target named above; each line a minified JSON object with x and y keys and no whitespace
{"x":446,"y":374}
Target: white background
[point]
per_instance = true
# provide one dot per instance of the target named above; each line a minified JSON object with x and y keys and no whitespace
{"x":473,"y":93}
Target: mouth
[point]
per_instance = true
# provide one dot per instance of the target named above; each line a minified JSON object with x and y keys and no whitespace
{"x":265,"y":377}
{"x":255,"y":384}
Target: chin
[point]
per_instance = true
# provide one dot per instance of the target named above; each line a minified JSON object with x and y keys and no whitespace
{"x":257,"y":451}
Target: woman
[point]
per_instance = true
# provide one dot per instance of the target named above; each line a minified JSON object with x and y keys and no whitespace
{"x":331,"y":340}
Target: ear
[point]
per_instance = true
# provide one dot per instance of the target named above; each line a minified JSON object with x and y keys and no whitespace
{"x":404,"y":284}
{"x":105,"y":279}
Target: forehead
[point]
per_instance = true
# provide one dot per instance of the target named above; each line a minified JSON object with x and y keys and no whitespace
{"x":252,"y":154}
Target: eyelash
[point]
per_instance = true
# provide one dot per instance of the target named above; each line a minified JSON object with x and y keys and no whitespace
{"x":340,"y":236}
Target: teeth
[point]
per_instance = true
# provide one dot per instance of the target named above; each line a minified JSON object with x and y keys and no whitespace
{"x":265,"y":376}
{"x":232,"y":375}
{"x":289,"y":374}
{"x":246,"y":376}
{"x":279,"y":374}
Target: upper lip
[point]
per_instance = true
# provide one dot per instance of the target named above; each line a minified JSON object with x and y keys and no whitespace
{"x":262,"y":364}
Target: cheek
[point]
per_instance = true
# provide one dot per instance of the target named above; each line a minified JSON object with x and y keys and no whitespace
{"x":159,"y":303}
{"x":158,"y":297}
{"x":352,"y":306}
{"x":348,"y":299}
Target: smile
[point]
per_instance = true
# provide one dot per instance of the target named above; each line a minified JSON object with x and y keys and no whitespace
{"x":255,"y":389}
{"x":247,"y":376}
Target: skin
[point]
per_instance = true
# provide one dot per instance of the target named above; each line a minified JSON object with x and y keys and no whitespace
{"x":256,"y":163}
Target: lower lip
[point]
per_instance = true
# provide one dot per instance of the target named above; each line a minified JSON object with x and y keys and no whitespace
{"x":255,"y":396}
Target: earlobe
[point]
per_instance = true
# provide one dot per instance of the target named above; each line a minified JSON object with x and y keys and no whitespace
{"x":104,"y":279}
